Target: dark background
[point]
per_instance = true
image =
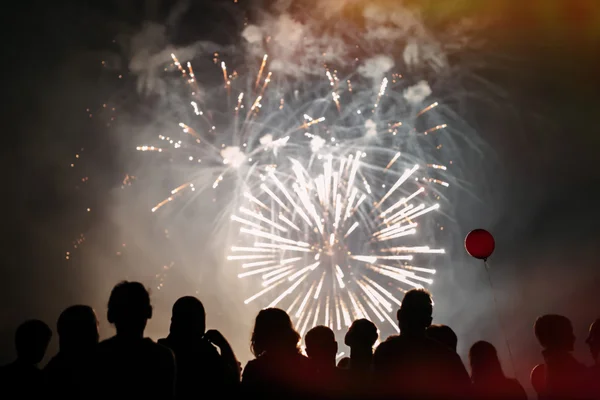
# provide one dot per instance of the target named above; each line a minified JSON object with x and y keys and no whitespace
{"x":536,"y":190}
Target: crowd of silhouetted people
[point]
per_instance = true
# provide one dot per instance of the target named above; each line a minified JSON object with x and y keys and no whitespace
{"x":195,"y":363}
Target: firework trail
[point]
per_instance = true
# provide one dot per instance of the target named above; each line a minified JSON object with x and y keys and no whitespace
{"x":332,"y":194}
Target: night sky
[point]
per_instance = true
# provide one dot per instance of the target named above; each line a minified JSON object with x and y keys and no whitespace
{"x":533,"y":102}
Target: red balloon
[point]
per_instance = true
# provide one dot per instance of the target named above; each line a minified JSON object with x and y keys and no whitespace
{"x":480,"y":244}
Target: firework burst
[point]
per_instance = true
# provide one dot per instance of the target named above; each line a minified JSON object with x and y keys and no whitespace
{"x":324,"y":248}
{"x":332,"y":197}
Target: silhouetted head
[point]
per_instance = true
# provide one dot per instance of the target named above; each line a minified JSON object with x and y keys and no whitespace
{"x":361,"y":335}
{"x":554,"y":333}
{"x":444,"y":335}
{"x":321,"y":345}
{"x":274,"y":332}
{"x":129,"y":308}
{"x":31,"y":340}
{"x":485,"y":364}
{"x":77,"y":328}
{"x":189,"y":317}
{"x":414,"y":315}
{"x":593,"y":339}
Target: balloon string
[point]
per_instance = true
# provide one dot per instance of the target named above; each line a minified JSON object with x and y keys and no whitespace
{"x":500,"y":321}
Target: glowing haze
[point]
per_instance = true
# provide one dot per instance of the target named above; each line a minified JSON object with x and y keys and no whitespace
{"x":328,"y":157}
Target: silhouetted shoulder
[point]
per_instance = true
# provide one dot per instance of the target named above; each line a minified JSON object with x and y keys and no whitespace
{"x":250,"y":370}
{"x":516,"y":389}
{"x":272,"y":377}
{"x":21,"y":381}
{"x":162,"y":350}
{"x":127,"y":366}
{"x":384,"y":353}
{"x":159,"y":347}
{"x":388,"y":344}
{"x":391,"y":338}
{"x":264,"y":368}
{"x":107,"y":344}
{"x":163,"y":354}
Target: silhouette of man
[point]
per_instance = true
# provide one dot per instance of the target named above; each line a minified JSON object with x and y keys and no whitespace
{"x":22,"y":379}
{"x":565,"y":377}
{"x":444,"y":335}
{"x":321,"y":349}
{"x":489,"y":381}
{"x":130,"y":366}
{"x":411,"y":365}
{"x":68,"y":374}
{"x":361,"y":338}
{"x":201,"y":370}
{"x":358,"y":369}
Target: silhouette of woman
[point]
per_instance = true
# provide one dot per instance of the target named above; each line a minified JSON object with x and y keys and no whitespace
{"x":489,"y":381}
{"x":279,"y":370}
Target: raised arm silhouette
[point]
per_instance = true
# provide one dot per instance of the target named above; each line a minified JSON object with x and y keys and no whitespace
{"x":201,"y":371}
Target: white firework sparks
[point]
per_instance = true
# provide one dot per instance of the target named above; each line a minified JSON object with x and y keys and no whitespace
{"x":325,"y":249}
{"x":330,"y":219}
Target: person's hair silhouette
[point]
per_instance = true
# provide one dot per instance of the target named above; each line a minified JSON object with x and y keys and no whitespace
{"x":273,"y":331}
{"x":321,"y":346}
{"x":31,"y":341}
{"x":484,"y":361}
{"x":554,"y":332}
{"x":488,"y":378}
{"x":279,"y":371}
{"x":443,"y":334}
{"x":77,"y":328}
{"x":415,"y":313}
{"x":129,"y":308}
{"x":188,"y":317}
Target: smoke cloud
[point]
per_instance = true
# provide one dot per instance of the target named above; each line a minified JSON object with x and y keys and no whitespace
{"x":375,"y":68}
{"x":299,"y":45}
{"x":417,"y":93}
{"x":148,"y":52}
